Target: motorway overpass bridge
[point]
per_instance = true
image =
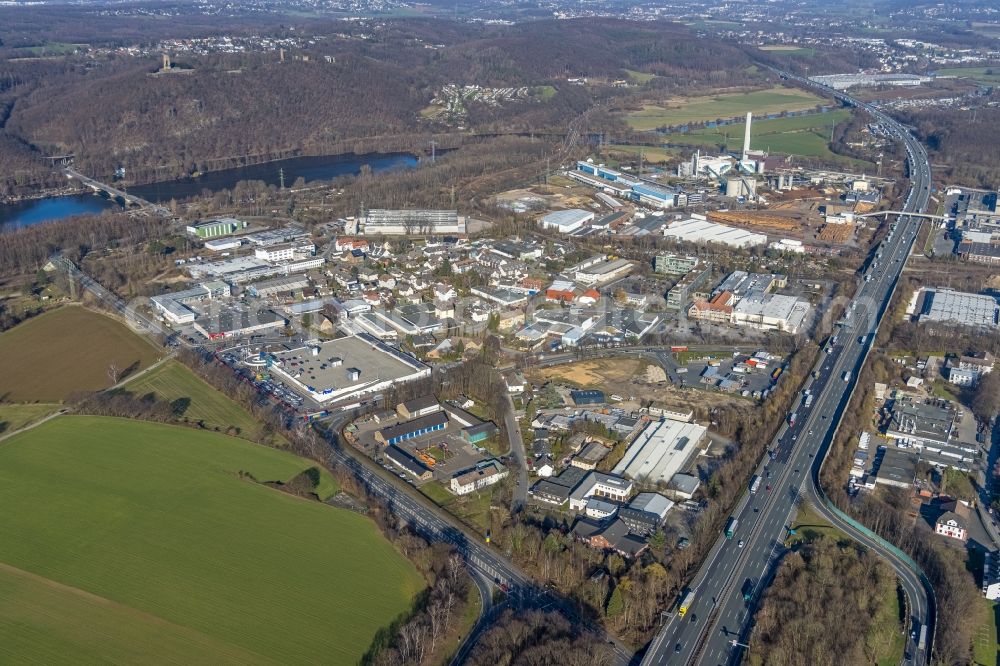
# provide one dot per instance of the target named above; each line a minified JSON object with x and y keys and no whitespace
{"x":924,"y":216}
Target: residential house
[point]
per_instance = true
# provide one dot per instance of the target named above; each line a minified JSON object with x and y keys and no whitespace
{"x":484,"y":474}
{"x":954,"y":521}
{"x":613,"y":536}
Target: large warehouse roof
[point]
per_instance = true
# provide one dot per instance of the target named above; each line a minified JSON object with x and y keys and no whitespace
{"x":660,"y":451}
{"x":959,"y":307}
{"x":702,"y":231}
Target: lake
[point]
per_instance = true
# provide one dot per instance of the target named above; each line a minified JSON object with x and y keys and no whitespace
{"x":321,"y":167}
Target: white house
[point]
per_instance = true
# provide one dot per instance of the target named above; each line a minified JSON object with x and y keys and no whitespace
{"x":484,"y":474}
{"x":515,"y":383}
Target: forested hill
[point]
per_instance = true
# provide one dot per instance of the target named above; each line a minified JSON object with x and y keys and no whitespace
{"x":366,"y":82}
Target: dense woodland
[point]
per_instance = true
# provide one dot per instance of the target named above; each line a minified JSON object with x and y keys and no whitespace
{"x":28,"y":249}
{"x":964,"y":140}
{"x":538,"y":638}
{"x":807,"y":618}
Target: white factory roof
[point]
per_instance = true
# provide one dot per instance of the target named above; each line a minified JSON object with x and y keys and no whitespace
{"x":959,"y":307}
{"x":703,"y":231}
{"x":774,"y":307}
{"x":660,"y":451}
{"x":567,"y":218}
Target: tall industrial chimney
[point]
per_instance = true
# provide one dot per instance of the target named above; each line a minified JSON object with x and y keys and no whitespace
{"x":746,"y":137}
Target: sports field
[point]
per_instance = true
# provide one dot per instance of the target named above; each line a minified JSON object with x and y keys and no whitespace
{"x":129,"y":541}
{"x":49,"y":357}
{"x":194,"y":400}
{"x":714,"y":107}
{"x":808,"y":135}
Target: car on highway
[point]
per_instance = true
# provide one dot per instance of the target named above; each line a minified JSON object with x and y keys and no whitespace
{"x":678,"y":648}
{"x":741,"y":543}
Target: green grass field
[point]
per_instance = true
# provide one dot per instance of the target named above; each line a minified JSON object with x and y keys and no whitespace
{"x":14,"y":417}
{"x":641,"y":78}
{"x":807,"y":136}
{"x":985,"y":75}
{"x":545,"y":93}
{"x":809,"y":525}
{"x":714,"y":107}
{"x":49,"y":357}
{"x":985,"y":649}
{"x":649,"y":153}
{"x":131,"y":541}
{"x":176,"y":384}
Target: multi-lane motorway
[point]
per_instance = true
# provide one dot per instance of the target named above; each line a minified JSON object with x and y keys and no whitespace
{"x":716,"y":625}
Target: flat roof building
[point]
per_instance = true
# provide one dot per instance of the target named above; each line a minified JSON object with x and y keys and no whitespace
{"x":222,"y":226}
{"x":674,"y":264}
{"x":661,"y":450}
{"x":606,"y":271}
{"x":233,"y":323}
{"x":700,"y":230}
{"x":313,"y":372}
{"x":771,"y":312}
{"x":282,"y":285}
{"x":680,"y":293}
{"x":565,"y":221}
{"x":957,"y":307}
{"x":897,"y":468}
{"x":411,"y":222}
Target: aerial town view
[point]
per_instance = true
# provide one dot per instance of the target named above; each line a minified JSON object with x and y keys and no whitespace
{"x":382,"y":332}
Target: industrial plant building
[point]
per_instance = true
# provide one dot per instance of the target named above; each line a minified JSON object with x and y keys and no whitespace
{"x":415,"y":222}
{"x":174,"y":306}
{"x":223,"y":226}
{"x":697,"y":229}
{"x":661,"y":450}
{"x":318,"y":371}
{"x":566,"y":221}
{"x":956,"y":307}
{"x":846,"y":81}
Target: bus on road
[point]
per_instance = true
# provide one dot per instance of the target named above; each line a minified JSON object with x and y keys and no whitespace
{"x":686,"y":603}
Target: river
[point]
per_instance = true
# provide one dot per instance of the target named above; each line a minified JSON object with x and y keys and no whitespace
{"x":310,"y":168}
{"x":322,"y":167}
{"x":33,"y":211}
